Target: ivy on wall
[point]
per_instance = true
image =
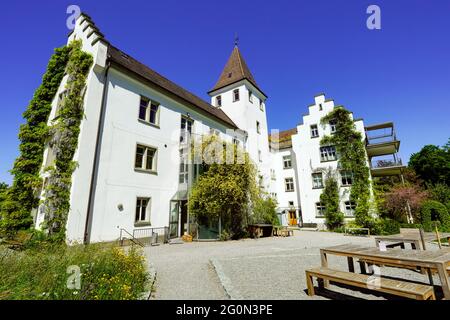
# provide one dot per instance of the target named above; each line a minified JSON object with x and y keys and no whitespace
{"x":61,"y":136}
{"x":334,"y":218}
{"x":64,"y":141}
{"x":21,"y":197}
{"x":352,"y":157}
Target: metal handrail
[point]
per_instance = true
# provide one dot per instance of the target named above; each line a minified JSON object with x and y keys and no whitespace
{"x":132,"y":239}
{"x":148,"y":233}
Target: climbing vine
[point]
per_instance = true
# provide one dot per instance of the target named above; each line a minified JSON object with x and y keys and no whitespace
{"x":21,"y":197}
{"x":334,"y":218}
{"x":352,"y":157}
{"x":63,"y":142}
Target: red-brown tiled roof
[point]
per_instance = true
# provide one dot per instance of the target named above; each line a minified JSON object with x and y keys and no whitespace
{"x":117,"y":56}
{"x":235,"y":70}
{"x":284,"y":138}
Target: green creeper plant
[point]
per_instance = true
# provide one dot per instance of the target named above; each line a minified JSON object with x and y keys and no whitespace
{"x":334,"y":218}
{"x":63,"y":141}
{"x":351,"y":157}
{"x":22,"y":196}
{"x":225,"y":189}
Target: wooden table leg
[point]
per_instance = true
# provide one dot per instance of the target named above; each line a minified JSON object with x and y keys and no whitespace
{"x":324,"y":262}
{"x":362,"y":266}
{"x":442,"y":270}
{"x":417,"y":245}
{"x":351,"y":265}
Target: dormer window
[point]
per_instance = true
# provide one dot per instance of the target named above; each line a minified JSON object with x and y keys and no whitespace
{"x":235,"y":95}
{"x":250,"y":96}
{"x":219,"y":101}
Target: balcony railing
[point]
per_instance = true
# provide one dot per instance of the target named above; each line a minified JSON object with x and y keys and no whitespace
{"x":380,"y":164}
{"x":380,"y":133}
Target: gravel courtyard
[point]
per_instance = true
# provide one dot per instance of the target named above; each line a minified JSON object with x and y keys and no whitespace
{"x":266,"y":268}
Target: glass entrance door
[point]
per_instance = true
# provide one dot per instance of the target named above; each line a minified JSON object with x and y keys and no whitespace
{"x":174,"y":217}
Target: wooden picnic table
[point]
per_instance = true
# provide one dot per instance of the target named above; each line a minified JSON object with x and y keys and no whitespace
{"x":437,"y":259}
{"x":260,"y":229}
{"x":413,"y":239}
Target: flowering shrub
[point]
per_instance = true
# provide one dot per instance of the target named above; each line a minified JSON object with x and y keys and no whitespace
{"x":106,"y":273}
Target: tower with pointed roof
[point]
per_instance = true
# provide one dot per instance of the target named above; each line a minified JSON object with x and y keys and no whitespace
{"x":239,"y":96}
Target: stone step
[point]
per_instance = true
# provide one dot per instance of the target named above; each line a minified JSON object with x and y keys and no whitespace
{"x":176,"y":241}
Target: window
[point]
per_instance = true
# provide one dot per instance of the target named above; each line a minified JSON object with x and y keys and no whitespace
{"x":320,"y":107}
{"x":142,"y":215}
{"x":236,"y":141}
{"x":214,"y":132}
{"x":261,"y":182}
{"x":346,"y":178}
{"x":273,"y":195}
{"x":328,"y":153}
{"x":320,"y":209}
{"x":350,"y":207}
{"x":261,"y":104}
{"x":333,"y":126}
{"x":250,"y":96}
{"x":145,"y":158}
{"x":314,"y":131}
{"x":272,"y":174}
{"x":149,"y":111}
{"x":289,"y":184}
{"x":186,"y":129}
{"x":258,"y":127}
{"x":259,"y":156}
{"x":235,"y":95}
{"x":317,"y":180}
{"x":291,"y":203}
{"x":219,"y":101}
{"x":184,"y":167}
{"x":287,"y":163}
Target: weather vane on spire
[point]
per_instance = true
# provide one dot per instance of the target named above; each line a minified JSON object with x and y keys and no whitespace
{"x":236,"y":39}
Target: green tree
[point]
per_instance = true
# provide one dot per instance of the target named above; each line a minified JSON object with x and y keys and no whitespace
{"x":226,"y":189}
{"x":3,"y":189}
{"x":439,"y":192}
{"x":334,"y":218}
{"x":432,"y":164}
{"x":264,"y":211}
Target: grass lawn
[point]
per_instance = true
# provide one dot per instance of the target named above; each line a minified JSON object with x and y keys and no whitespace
{"x":49,"y":271}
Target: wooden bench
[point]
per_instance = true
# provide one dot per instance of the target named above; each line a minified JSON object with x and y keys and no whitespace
{"x":390,"y":286}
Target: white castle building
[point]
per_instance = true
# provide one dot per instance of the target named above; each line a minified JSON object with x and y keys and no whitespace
{"x":132,"y":176}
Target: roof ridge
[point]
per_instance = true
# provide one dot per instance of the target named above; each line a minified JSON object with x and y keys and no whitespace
{"x":240,"y":61}
{"x":128,"y":62}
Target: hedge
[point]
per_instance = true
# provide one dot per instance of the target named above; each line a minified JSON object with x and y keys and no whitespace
{"x":442,"y":214}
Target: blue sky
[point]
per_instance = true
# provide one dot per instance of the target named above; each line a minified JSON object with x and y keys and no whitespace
{"x":295,"y":50}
